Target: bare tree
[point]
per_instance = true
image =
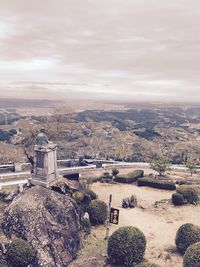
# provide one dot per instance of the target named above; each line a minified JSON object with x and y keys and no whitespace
{"x":10,"y":153}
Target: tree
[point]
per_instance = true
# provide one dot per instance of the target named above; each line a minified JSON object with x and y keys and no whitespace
{"x":160,"y":165}
{"x":191,"y":165}
{"x":59,"y":117}
{"x":10,"y":153}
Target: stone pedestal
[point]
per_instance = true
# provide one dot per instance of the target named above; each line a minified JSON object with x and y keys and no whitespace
{"x":45,"y":169}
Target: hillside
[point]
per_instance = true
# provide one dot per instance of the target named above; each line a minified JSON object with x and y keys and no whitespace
{"x":138,"y":133}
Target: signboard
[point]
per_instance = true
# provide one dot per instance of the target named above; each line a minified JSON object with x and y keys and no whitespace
{"x":114,"y":216}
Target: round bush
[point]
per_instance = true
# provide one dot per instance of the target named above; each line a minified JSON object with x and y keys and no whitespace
{"x":187,"y":235}
{"x":147,"y":264}
{"x":126,"y":246}
{"x":192,"y":256}
{"x":78,"y":196}
{"x":20,"y":253}
{"x":92,"y":194}
{"x":189,"y":193}
{"x":98,"y":212}
{"x":177,"y":199}
{"x":82,"y":199}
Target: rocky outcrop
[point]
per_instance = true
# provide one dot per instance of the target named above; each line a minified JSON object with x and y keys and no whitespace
{"x":129,"y":202}
{"x":50,"y":221}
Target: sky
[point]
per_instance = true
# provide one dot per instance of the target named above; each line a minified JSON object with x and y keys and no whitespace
{"x":146,"y":50}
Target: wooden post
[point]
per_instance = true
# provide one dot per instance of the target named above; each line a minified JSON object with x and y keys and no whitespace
{"x":108,"y":218}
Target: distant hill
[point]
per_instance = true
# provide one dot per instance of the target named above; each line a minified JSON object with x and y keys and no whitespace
{"x":26,"y":103}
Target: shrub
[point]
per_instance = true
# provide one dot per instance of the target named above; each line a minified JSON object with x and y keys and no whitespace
{"x":131,"y":177}
{"x":92,"y":180}
{"x":146,"y":264}
{"x":192,"y":256}
{"x":3,"y":195}
{"x":81,"y":199}
{"x":157,"y":183}
{"x":106,"y":177}
{"x":92,"y":194}
{"x":78,"y":196}
{"x":20,"y":253}
{"x":177,"y":199}
{"x":182,"y":182}
{"x":160,"y":165}
{"x":189,"y":193}
{"x":187,"y":235}
{"x":86,"y":225}
{"x":115,"y":172}
{"x":126,"y":246}
{"x":97,"y":211}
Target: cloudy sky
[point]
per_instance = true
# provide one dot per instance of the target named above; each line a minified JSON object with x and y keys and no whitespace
{"x":119,"y":49}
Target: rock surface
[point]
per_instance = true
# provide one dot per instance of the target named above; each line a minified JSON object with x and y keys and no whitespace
{"x":50,"y":221}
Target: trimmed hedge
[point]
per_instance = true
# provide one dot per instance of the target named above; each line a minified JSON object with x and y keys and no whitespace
{"x":131,"y":177}
{"x":156,"y":183}
{"x":192,"y":256}
{"x":178,"y":199}
{"x":20,"y":253}
{"x":98,"y":212}
{"x":187,"y":235}
{"x":126,"y":246}
{"x":190,"y":193}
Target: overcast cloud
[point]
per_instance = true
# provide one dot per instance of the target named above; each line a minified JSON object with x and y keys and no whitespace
{"x":119,"y":49}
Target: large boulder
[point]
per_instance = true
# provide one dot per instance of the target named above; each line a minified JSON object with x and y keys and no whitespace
{"x":49,"y":221}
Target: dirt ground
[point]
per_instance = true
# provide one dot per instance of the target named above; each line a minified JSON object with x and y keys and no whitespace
{"x":158,"y":222}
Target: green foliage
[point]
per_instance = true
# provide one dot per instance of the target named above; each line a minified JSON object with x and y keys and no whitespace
{"x":192,"y":256}
{"x":126,"y":246}
{"x":155,"y":183}
{"x":147,"y":264}
{"x":187,"y":235}
{"x":20,"y":253}
{"x":131,"y":177}
{"x":160,"y":166}
{"x":191,"y":165}
{"x":81,"y":198}
{"x":91,"y":193}
{"x":97,"y":211}
{"x":78,"y":196}
{"x":86,"y":225}
{"x":190,"y":193}
{"x":177,"y":199}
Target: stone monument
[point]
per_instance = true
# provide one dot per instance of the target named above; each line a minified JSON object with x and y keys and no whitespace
{"x":45,"y":167}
